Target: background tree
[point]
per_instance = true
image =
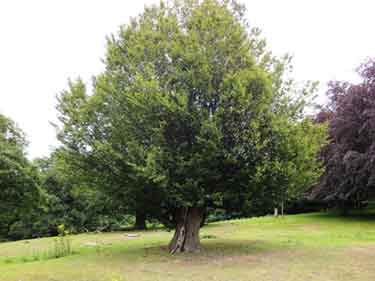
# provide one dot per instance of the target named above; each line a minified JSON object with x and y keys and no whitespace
{"x":349,"y":156}
{"x":190,"y":111}
{"x":18,"y":178}
{"x":70,"y":201}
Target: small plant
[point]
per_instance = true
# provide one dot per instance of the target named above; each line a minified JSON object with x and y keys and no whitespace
{"x":62,"y":243}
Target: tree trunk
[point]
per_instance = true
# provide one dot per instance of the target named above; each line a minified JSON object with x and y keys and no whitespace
{"x":140,"y":220}
{"x":186,"y":236}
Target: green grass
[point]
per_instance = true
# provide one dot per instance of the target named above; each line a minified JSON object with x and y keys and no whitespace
{"x":302,"y":247}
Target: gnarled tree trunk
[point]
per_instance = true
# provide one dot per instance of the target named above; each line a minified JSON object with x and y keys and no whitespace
{"x":186,"y":236}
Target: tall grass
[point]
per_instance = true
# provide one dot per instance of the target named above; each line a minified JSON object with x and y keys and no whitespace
{"x":61,"y":247}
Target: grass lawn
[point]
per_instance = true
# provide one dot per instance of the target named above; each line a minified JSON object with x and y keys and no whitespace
{"x":300,"y":247}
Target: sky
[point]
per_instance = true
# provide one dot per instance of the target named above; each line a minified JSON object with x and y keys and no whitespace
{"x":43,"y":43}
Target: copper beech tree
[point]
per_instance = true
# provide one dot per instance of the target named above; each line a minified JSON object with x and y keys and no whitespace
{"x":350,"y":154}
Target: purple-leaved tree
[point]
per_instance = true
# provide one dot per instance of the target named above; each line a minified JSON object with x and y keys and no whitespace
{"x":349,"y":157}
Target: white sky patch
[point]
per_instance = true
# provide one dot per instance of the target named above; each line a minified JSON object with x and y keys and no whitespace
{"x":45,"y":42}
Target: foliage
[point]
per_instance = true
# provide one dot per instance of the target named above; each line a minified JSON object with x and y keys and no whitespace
{"x":66,"y":201}
{"x":349,"y":156}
{"x":191,"y":112}
{"x":70,"y":202}
{"x":19,"y":185}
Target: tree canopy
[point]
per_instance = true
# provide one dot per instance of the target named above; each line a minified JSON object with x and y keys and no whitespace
{"x":349,"y":155}
{"x":19,"y":190}
{"x":191,"y":112}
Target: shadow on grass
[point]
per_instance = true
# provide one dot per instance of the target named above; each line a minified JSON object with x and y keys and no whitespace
{"x":238,"y":247}
{"x":218,"y":248}
{"x":329,"y":216}
{"x":337,"y":217}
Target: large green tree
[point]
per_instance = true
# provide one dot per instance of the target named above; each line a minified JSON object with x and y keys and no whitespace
{"x":19,"y":191}
{"x":191,"y":112}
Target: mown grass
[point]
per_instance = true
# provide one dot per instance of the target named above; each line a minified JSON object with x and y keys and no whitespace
{"x":301,"y":247}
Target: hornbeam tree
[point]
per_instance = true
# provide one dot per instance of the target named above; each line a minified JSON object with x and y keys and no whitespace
{"x":190,"y":112}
